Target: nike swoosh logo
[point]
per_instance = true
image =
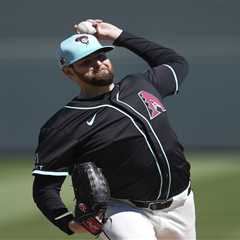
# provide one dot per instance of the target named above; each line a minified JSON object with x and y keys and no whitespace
{"x":90,"y":123}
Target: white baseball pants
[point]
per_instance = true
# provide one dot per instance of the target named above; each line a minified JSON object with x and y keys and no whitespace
{"x":127,"y":222}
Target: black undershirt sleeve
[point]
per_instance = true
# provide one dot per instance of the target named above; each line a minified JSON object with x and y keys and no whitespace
{"x":46,"y":194}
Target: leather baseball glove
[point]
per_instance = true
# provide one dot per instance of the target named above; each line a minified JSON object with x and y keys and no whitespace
{"x":92,"y":194}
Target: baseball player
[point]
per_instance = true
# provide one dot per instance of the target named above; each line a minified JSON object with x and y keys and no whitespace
{"x":122,"y":127}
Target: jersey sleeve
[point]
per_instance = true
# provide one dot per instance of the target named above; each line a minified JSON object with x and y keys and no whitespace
{"x":166,"y":78}
{"x":46,"y":195}
{"x":55,"y":153}
{"x":167,"y":67}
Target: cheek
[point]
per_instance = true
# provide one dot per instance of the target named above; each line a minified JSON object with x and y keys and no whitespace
{"x":82,"y":71}
{"x":109,"y":65}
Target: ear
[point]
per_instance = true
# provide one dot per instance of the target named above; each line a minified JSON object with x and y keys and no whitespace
{"x":68,"y":71}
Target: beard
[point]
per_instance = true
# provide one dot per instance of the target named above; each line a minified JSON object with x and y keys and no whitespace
{"x":102,"y":77}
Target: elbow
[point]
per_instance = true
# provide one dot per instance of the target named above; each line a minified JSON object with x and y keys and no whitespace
{"x":185,"y":68}
{"x":182,"y":69}
{"x":182,"y":66}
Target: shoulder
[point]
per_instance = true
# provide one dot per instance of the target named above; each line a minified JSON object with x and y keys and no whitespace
{"x":134,"y":82}
{"x":57,"y":120}
{"x":132,"y":79}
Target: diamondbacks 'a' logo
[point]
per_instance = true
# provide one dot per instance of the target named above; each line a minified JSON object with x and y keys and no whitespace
{"x":153,"y":104}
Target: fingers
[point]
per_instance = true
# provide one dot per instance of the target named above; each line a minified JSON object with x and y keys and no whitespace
{"x":76,"y":29}
{"x":95,"y":20}
{"x":94,"y":23}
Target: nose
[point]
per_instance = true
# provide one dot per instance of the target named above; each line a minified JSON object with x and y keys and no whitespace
{"x":99,"y":62}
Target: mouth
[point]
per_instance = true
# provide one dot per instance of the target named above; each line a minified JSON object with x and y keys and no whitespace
{"x":103,"y":70}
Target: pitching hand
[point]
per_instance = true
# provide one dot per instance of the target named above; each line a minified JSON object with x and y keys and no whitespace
{"x":105,"y":31}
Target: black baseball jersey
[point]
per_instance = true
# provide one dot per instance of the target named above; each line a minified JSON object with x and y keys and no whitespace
{"x":126,"y":131}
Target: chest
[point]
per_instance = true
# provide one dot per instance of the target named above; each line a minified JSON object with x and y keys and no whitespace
{"x":128,"y":113}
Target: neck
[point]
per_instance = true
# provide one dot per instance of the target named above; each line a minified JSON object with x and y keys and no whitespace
{"x":87,"y":92}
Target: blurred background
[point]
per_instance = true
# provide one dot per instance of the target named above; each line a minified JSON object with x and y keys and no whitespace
{"x":205,"y":114}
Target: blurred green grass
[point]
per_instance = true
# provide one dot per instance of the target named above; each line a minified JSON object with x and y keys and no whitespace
{"x":215,"y":180}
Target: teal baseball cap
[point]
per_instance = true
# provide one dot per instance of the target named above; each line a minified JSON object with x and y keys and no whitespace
{"x":77,"y":47}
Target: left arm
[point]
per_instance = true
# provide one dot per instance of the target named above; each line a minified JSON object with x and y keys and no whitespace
{"x":46,"y":195}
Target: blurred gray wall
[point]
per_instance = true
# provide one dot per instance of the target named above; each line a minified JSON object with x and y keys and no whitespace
{"x":204,"y":114}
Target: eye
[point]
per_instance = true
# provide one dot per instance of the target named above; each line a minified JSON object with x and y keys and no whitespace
{"x":86,"y":62}
{"x":101,"y":56}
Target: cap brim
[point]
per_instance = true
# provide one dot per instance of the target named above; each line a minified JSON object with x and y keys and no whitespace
{"x":102,"y":49}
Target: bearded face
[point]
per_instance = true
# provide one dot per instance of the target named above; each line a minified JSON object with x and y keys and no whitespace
{"x":96,"y":70}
